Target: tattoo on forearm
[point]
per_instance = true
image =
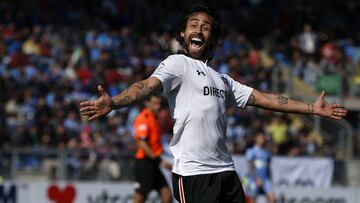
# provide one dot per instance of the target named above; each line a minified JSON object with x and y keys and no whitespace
{"x":251,"y":100}
{"x":311,"y":107}
{"x":134,"y":93}
{"x":282,"y":100}
{"x":140,"y":85}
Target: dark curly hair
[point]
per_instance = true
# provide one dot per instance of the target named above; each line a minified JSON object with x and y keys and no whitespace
{"x":215,"y":24}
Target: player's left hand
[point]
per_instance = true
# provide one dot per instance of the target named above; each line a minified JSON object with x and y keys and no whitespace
{"x":334,"y":111}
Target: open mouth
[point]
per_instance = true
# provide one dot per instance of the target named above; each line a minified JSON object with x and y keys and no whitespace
{"x":196,"y":43}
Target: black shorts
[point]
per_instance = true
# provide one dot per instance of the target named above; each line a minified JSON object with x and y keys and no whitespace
{"x":148,"y":176}
{"x":209,"y":188}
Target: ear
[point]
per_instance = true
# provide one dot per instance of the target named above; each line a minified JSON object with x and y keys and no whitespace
{"x":182,"y":34}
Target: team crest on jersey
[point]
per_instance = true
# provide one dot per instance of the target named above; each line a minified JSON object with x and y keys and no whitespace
{"x":142,"y":127}
{"x":224,"y":80}
{"x":162,"y":65}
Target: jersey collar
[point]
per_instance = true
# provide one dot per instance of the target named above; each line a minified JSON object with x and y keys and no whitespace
{"x":186,"y":54}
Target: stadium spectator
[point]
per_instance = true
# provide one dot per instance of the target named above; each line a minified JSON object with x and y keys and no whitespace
{"x":258,"y":180}
{"x":308,"y":40}
{"x":148,"y":175}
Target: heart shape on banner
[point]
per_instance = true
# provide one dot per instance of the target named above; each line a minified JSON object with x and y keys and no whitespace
{"x":67,"y":195}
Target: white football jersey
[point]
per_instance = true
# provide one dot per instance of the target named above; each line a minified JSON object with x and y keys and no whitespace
{"x":197,"y":97}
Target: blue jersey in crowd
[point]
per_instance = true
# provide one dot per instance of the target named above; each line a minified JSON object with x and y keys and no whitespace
{"x":261,"y":159}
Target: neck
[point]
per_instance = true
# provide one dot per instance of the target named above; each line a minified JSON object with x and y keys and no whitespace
{"x":204,"y":58}
{"x":149,"y":110}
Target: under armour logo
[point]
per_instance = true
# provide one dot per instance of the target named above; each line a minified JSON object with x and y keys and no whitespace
{"x":200,"y":72}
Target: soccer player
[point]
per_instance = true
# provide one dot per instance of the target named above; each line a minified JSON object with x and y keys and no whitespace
{"x":258,"y":178}
{"x":203,"y":170}
{"x":147,"y":136}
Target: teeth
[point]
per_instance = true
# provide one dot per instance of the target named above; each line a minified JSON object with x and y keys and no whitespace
{"x":196,"y":43}
{"x":196,"y":39}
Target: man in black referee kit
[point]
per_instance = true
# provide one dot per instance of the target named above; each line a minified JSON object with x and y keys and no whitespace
{"x":203,"y":170}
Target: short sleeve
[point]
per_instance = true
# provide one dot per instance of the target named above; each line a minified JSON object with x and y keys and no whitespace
{"x":170,"y":72}
{"x":239,"y":93}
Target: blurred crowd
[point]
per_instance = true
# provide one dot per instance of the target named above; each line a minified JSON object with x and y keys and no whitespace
{"x":53,"y":54}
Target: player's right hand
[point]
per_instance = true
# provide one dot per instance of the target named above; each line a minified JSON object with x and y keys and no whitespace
{"x":97,"y":108}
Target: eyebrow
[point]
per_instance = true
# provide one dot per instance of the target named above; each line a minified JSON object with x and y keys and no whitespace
{"x":196,"y":19}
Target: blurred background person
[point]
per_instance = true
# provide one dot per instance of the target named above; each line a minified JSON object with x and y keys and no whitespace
{"x":257,"y":181}
{"x":148,"y":175}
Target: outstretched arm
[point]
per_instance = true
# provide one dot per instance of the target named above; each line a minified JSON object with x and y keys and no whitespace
{"x":281,"y":103}
{"x":104,"y":104}
{"x":136,"y":92}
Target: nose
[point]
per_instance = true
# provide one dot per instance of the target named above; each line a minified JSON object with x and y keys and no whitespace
{"x":198,"y":29}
